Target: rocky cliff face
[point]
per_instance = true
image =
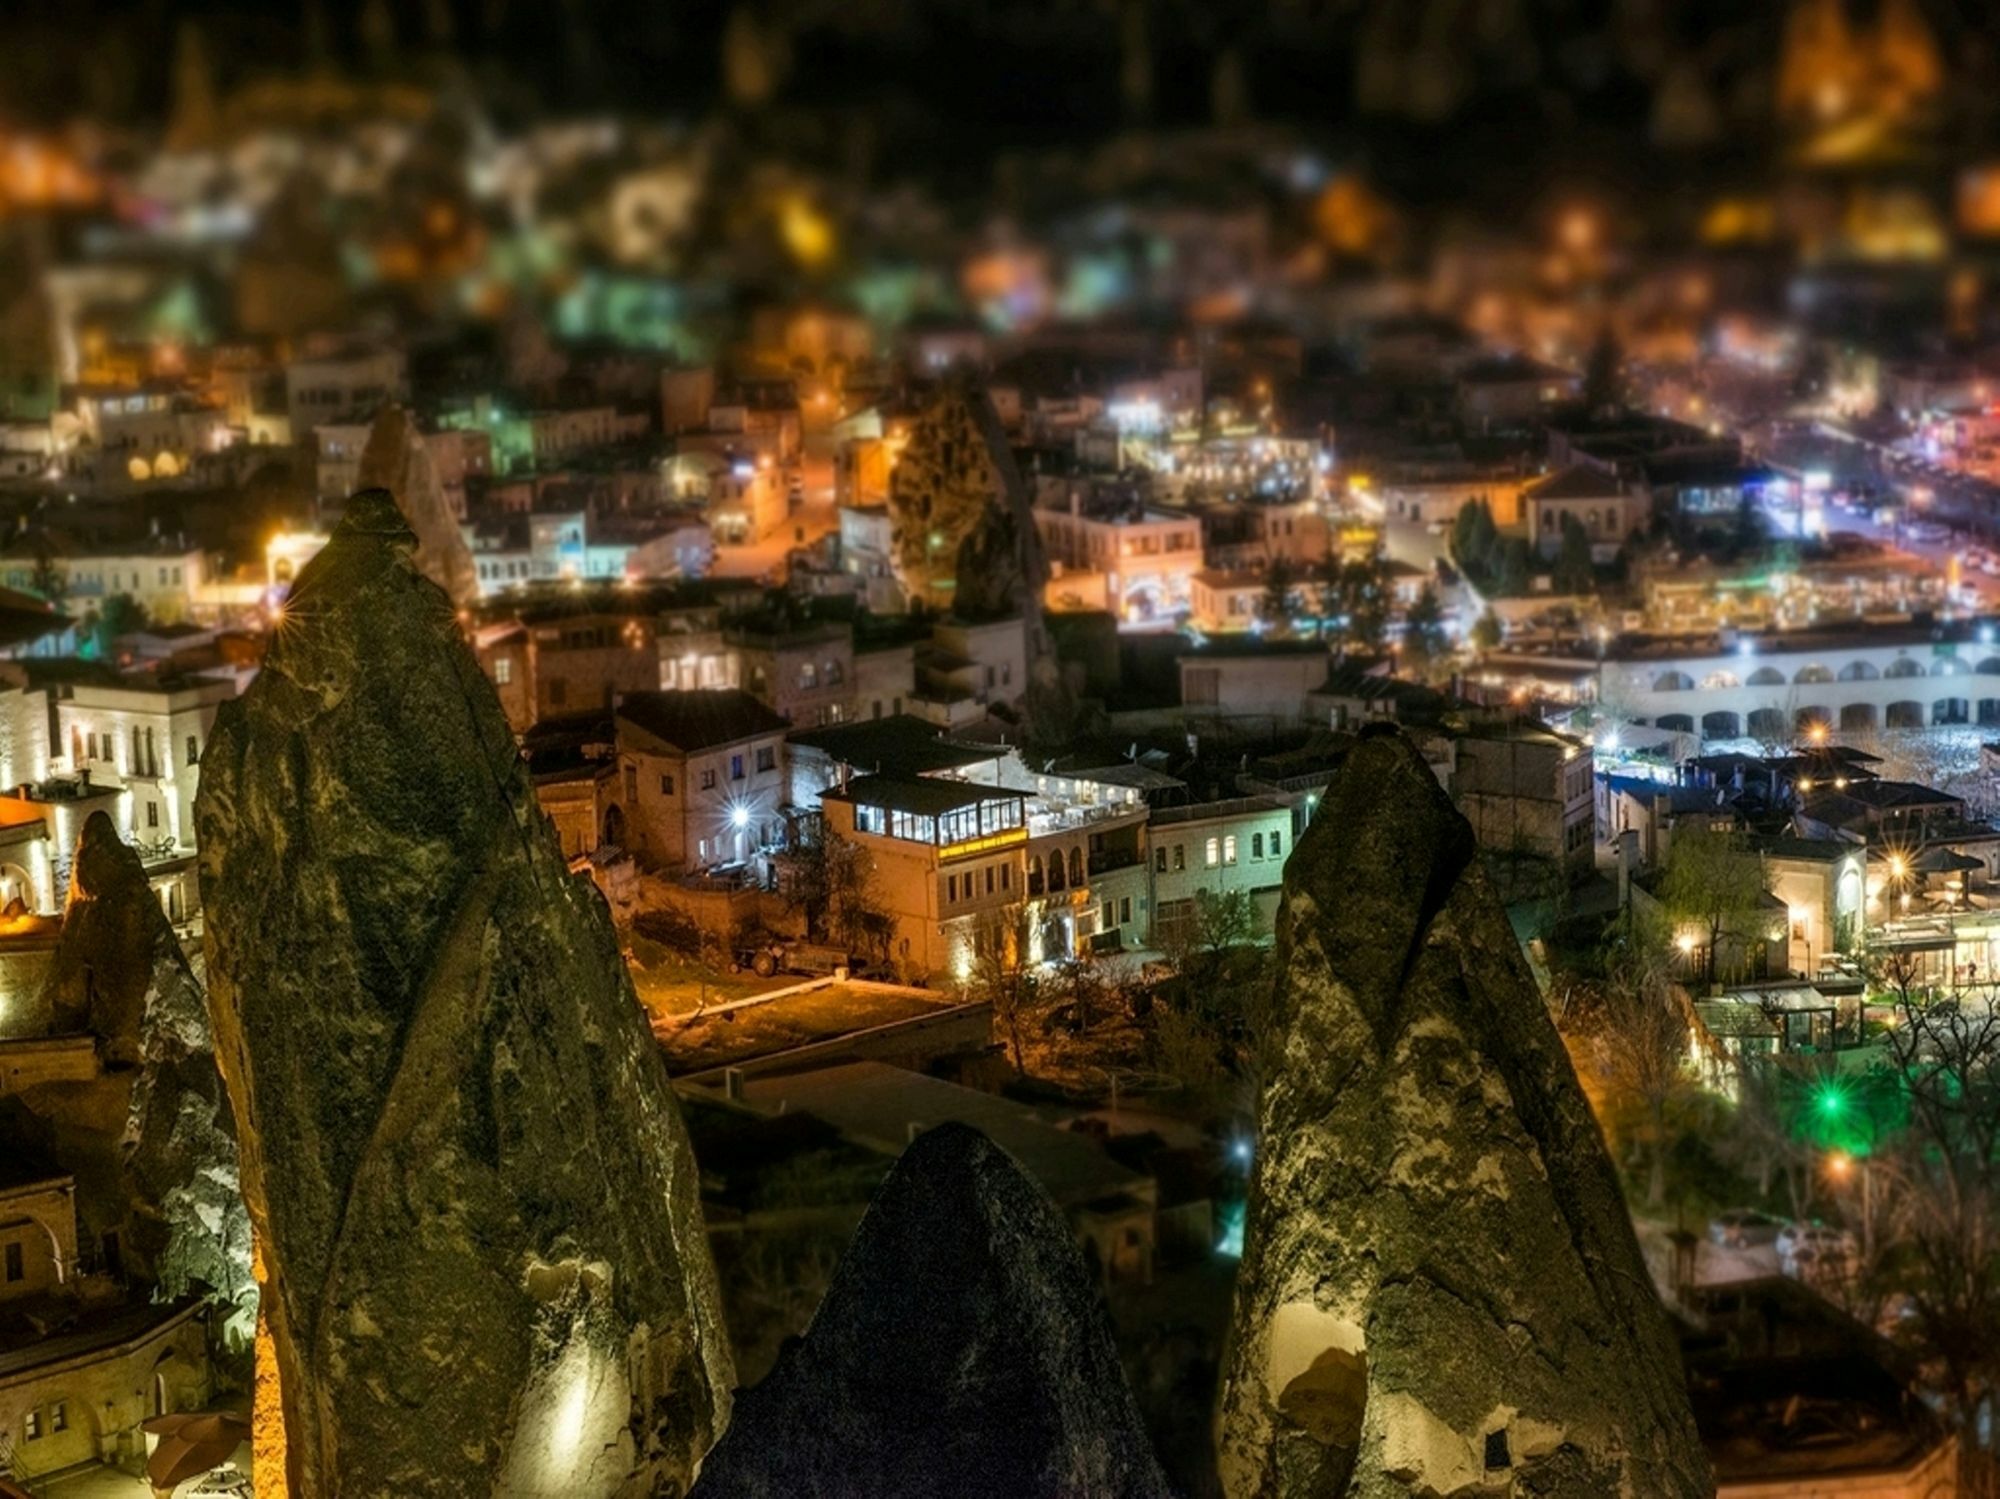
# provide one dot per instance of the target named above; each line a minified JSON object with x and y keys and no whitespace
{"x":959,"y":516}
{"x":396,"y":459}
{"x":960,"y":1350}
{"x":1441,"y":1292}
{"x":472,"y":1190}
{"x":151,"y":1140}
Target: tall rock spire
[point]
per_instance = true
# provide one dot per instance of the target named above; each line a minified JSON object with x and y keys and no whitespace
{"x":1441,"y":1292}
{"x":473,"y":1195}
{"x":396,"y":459}
{"x":960,"y":1350}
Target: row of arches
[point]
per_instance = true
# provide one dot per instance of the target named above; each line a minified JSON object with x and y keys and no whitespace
{"x":1775,"y":723}
{"x":1854,"y":671}
{"x":1062,"y":874}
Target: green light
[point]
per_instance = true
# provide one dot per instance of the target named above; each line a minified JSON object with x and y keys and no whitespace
{"x":1831,"y":1103}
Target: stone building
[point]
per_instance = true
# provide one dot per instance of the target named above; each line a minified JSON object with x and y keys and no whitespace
{"x":701,"y":779}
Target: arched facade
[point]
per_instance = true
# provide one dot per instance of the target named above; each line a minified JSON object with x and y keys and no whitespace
{"x":1884,"y":679}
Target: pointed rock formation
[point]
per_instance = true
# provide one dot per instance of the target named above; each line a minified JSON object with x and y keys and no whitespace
{"x":959,"y":513}
{"x":151,"y":1139}
{"x":473,"y":1195}
{"x":961,"y":1349}
{"x":396,"y":459}
{"x":1441,"y":1292}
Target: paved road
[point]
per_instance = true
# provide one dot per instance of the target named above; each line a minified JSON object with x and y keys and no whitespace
{"x":1958,"y":512}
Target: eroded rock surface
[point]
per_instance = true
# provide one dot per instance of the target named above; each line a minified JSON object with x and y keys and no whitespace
{"x":151,"y":1140}
{"x":1441,"y":1292}
{"x":960,"y":1350}
{"x":474,"y":1198}
{"x":396,"y":459}
{"x":959,"y":512}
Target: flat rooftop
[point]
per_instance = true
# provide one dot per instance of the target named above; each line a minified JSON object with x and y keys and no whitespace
{"x":763,"y":1028}
{"x":884,"y":1106}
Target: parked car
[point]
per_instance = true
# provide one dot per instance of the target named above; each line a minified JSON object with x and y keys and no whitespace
{"x":766,"y":959}
{"x":1743,"y":1228}
{"x":1811,"y":1251}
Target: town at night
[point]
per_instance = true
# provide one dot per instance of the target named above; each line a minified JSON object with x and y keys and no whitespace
{"x":771,"y":749}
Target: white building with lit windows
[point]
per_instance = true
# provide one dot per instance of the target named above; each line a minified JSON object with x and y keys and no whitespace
{"x":991,"y":857}
{"x":1114,"y":551}
{"x":1217,"y":848}
{"x":701,"y":780}
{"x":1773,"y":687}
{"x":145,"y":740}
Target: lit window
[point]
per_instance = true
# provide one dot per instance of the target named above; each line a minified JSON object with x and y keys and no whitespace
{"x":1213,"y":852}
{"x":32,"y":1425}
{"x":1229,"y":849}
{"x":503,"y":670}
{"x":59,"y":1417}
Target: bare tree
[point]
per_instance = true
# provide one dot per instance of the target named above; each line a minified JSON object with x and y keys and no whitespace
{"x":1642,"y":1044}
{"x":1715,"y":883}
{"x":1003,"y":975}
{"x":1939,"y":1180}
{"x":832,"y":879}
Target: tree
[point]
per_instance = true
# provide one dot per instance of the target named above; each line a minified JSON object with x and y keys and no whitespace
{"x":1424,"y":642}
{"x":1510,"y":576}
{"x":1603,"y":379}
{"x":1940,"y":1181}
{"x":1486,"y":631}
{"x":1217,"y":1013}
{"x":1219,"y":924}
{"x":50,"y":580}
{"x":832,"y":880}
{"x":1002,"y":975}
{"x":1641,"y":1046}
{"x":1276,"y":606}
{"x":124,"y":614}
{"x":1714,"y":883}
{"x":1475,"y":541}
{"x":1575,"y":572}
{"x":1359,"y":601}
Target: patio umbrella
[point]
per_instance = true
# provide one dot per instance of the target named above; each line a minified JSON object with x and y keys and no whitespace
{"x":191,"y":1444}
{"x":1947,"y":861}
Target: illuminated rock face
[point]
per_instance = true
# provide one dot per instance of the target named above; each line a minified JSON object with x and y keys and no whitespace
{"x":396,"y":459}
{"x":960,"y":1350}
{"x":151,"y":1139}
{"x":487,"y":1272}
{"x":958,"y":513}
{"x":1440,"y":1292}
